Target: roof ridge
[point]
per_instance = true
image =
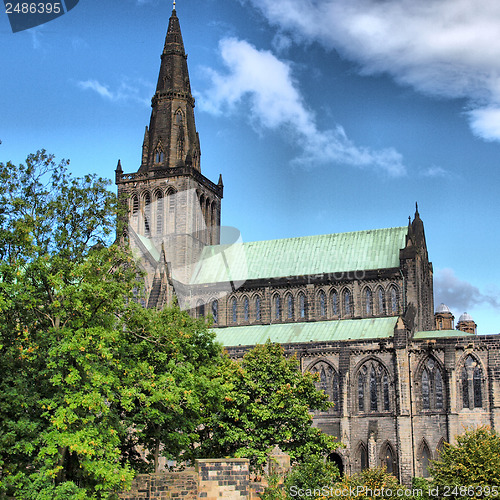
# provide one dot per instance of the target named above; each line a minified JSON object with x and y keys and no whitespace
{"x":313,"y":236}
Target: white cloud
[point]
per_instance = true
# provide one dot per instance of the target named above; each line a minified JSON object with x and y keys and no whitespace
{"x":266,"y":83}
{"x":445,"y":48}
{"x":125,"y":92}
{"x":435,"y":171}
{"x":461,"y":295}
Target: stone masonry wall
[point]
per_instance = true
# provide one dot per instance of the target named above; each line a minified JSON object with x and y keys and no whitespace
{"x":211,"y":479}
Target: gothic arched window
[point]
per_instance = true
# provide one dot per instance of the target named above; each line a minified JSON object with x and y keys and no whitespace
{"x":362,"y":457}
{"x":135,"y":205}
{"x":159,"y":212}
{"x":289,"y":306}
{"x":432,"y":391}
{"x":234,"y":310}
{"x":476,"y":382}
{"x":257,"y":308}
{"x":381,"y":300}
{"x":373,"y":390}
{"x":322,"y":303}
{"x":368,"y":302}
{"x":201,"y":309}
{"x":277,"y":308}
{"x":388,"y":459}
{"x":147,"y":214}
{"x":425,"y":460}
{"x":328,"y":381}
{"x":394,"y":300}
{"x":373,"y":386}
{"x":302,"y":305}
{"x":472,"y":382}
{"x":215,"y":311}
{"x":347,"y":303}
{"x":246,"y":309}
{"x":335,"y":303}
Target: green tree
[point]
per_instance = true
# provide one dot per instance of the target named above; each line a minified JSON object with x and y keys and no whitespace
{"x":62,"y":290}
{"x":85,"y":373}
{"x":473,"y":463}
{"x":268,"y":403}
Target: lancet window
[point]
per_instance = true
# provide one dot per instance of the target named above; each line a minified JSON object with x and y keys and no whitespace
{"x":373,"y":387}
{"x":432,"y":387}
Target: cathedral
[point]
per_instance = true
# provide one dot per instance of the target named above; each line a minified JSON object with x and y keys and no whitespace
{"x":357,"y":308}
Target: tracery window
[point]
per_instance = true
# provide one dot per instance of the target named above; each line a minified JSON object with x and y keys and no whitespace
{"x":246,"y":309}
{"x":472,"y":380}
{"x":159,"y":156}
{"x":322,"y":303}
{"x":431,"y":381}
{"x":373,"y":388}
{"x":215,"y":311}
{"x":302,"y":305}
{"x":328,"y":381}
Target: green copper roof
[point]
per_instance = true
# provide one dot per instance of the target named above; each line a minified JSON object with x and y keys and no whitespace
{"x":327,"y":253}
{"x":319,"y":331}
{"x":435,"y":334}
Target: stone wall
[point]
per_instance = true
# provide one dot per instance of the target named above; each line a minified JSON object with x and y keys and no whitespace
{"x":210,"y":479}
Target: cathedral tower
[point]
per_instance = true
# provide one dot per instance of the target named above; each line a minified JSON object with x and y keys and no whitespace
{"x":174,"y":210}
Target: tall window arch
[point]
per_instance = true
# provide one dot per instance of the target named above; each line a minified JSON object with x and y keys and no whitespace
{"x":289,"y":306}
{"x":277,"y":307}
{"x":135,"y":205}
{"x":234,"y":310}
{"x":347,"y":303}
{"x":246,"y":309}
{"x":425,"y":459}
{"x":328,"y":381}
{"x":257,"y":309}
{"x":394,"y":295}
{"x":432,"y":387}
{"x":472,"y":383}
{"x":335,"y":303}
{"x":362,"y":457}
{"x":322,"y":303}
{"x":201,"y":309}
{"x":159,"y":212}
{"x":373,"y":386}
{"x":368,"y":302}
{"x":147,"y":214}
{"x":380,"y":301}
{"x":388,"y":459}
{"x":215,"y":311}
{"x":302,"y":306}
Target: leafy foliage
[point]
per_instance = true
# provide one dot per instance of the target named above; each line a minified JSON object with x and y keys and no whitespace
{"x":268,"y":404}
{"x":314,"y":473}
{"x":371,"y":483}
{"x":85,"y":373}
{"x":474,"y":461}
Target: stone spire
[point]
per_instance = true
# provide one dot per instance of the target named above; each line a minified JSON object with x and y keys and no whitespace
{"x":171,"y":139}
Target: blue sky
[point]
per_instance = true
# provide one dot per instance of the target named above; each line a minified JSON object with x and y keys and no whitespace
{"x":323,"y":116}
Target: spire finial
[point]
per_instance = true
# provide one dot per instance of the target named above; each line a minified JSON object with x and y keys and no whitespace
{"x":416,"y":208}
{"x":174,"y":4}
